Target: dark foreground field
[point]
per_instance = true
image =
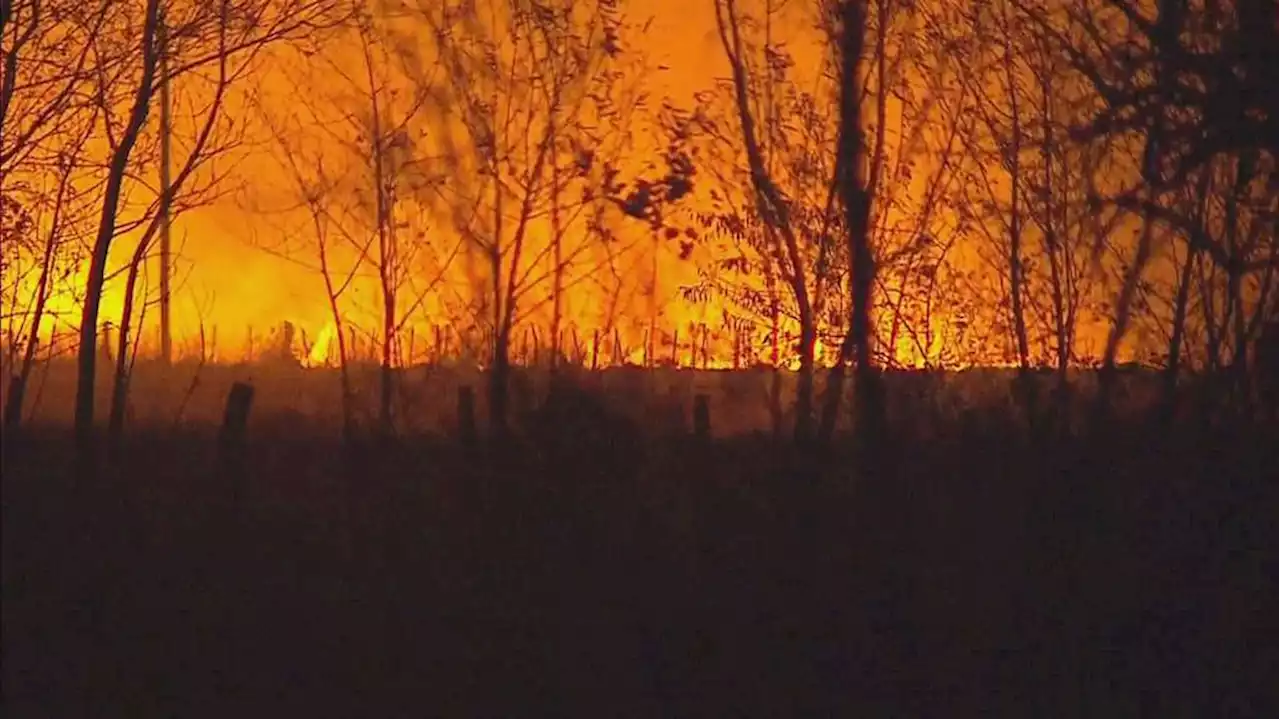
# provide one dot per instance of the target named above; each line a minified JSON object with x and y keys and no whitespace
{"x":1128,"y":575}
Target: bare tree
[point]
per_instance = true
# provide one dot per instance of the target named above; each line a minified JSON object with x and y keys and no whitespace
{"x":313,"y":182}
{"x":199,"y":36}
{"x":848,"y":27}
{"x":177,"y":194}
{"x":363,"y":183}
{"x":1026,"y":180}
{"x":1012,"y":146}
{"x":528,"y":87}
{"x":1188,"y":88}
{"x":1199,"y":72}
{"x":382,"y":137}
{"x":64,"y":209}
{"x":797,"y":241}
{"x":45,"y":174}
{"x":892,"y":63}
{"x":48,"y":55}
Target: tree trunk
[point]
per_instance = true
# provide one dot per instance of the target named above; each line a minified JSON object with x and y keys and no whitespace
{"x":1024,"y":382}
{"x":120,"y":384}
{"x":804,"y":381}
{"x":18,"y":387}
{"x":1169,"y":395}
{"x":868,"y":397}
{"x":1120,"y":325}
{"x":775,"y":379}
{"x":386,"y":374}
{"x":834,"y":390}
{"x":499,"y":381}
{"x":557,"y":270}
{"x":1058,"y":261}
{"x":87,"y":350}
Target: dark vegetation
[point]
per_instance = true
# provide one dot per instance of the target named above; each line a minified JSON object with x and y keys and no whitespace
{"x":653,"y":542}
{"x":595,"y":565}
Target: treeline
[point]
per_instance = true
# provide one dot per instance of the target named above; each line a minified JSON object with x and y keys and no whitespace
{"x":874,"y":181}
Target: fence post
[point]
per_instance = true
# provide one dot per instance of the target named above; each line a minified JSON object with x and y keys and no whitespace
{"x":467,"y":415}
{"x":595,"y":350}
{"x":13,"y":404}
{"x":675,"y":348}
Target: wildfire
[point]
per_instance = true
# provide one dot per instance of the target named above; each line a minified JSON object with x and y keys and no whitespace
{"x":318,"y":356}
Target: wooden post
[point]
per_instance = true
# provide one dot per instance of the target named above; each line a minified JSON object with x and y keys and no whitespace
{"x":702,"y":418}
{"x":467,"y":415}
{"x":13,"y":404}
{"x":617,"y":348}
{"x":675,"y":348}
{"x":595,"y":350}
{"x":706,"y":343}
{"x":439,"y":346}
{"x":231,"y":438}
{"x":409,"y":362}
{"x":104,"y":347}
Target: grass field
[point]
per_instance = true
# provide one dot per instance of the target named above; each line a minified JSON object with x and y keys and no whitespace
{"x":622,"y":569}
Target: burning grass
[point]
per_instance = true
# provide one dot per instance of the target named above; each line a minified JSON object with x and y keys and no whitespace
{"x":658,"y":400}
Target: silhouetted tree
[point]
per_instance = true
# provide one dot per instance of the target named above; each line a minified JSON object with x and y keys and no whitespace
{"x":525,"y":88}
{"x":53,"y":257}
{"x":848,"y":29}
{"x":46,"y":51}
{"x":800,"y":259}
{"x":1200,"y":73}
{"x":887,"y":68}
{"x":1027,"y":187}
{"x":200,"y":36}
{"x":1183,"y":88}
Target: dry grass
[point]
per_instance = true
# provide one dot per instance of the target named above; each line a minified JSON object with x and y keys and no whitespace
{"x":599,"y":567}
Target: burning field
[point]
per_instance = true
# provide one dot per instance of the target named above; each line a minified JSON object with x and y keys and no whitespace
{"x":638,"y":358}
{"x":659,"y":400}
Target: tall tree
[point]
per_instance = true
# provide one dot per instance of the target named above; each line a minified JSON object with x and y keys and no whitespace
{"x":1027,"y":189}
{"x":46,"y":176}
{"x":797,"y":249}
{"x":849,"y":36}
{"x":126,"y":58}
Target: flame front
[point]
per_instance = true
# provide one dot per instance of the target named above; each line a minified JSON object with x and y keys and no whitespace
{"x":319,"y":354}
